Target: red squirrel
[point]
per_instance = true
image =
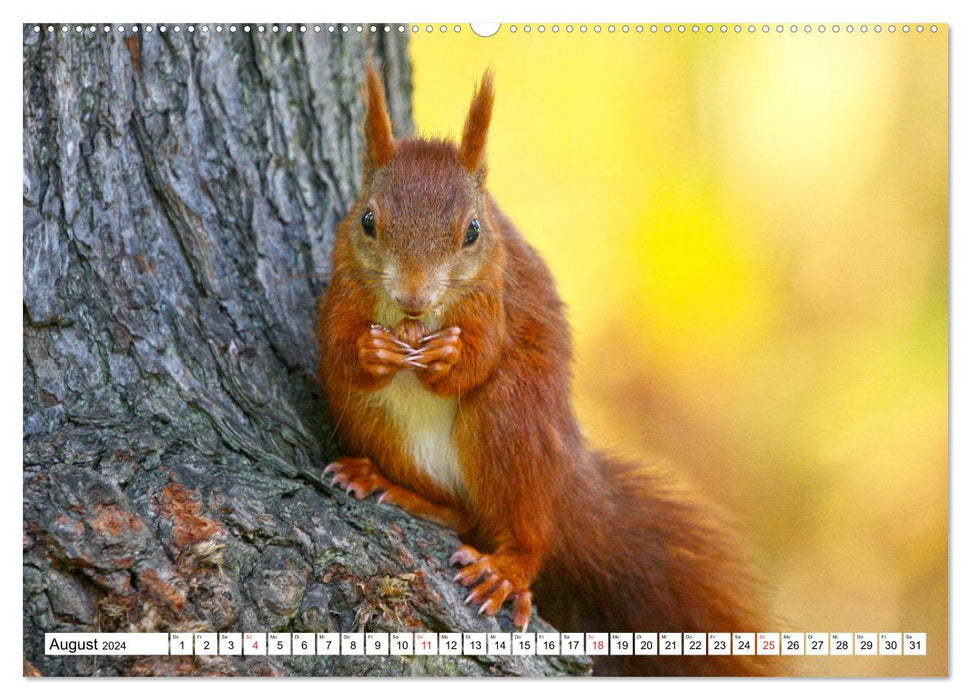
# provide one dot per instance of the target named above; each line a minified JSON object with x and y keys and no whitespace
{"x":446,"y":360}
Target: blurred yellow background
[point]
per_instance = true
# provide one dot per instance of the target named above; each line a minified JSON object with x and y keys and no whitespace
{"x":750,"y":232}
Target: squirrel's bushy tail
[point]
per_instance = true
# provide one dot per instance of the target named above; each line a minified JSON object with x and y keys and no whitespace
{"x":640,"y":553}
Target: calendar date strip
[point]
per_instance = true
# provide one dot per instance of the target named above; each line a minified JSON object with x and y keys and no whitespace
{"x":486,"y":643}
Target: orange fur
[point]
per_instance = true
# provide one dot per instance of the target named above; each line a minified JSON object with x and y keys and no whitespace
{"x":379,"y":142}
{"x":472,"y":148}
{"x":605,"y":546}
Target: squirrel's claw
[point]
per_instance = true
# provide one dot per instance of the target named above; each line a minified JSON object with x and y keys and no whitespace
{"x":381,"y":354}
{"x":415,"y":360}
{"x":358,"y":476}
{"x":522,"y":609}
{"x":492,"y":588}
{"x":491,"y":593}
{"x":439,"y":353}
{"x":464,"y":555}
{"x":475,"y":571}
{"x":482,"y":592}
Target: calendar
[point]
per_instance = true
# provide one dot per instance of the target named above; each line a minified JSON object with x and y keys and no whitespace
{"x":689,"y":268}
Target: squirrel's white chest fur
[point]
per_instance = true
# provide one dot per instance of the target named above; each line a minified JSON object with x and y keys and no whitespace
{"x":424,"y":422}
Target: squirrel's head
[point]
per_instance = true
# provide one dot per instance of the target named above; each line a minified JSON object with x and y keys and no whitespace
{"x":421,"y":234}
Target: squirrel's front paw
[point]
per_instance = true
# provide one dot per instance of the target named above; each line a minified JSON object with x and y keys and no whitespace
{"x":499,"y":579}
{"x":357,"y":475}
{"x":381,"y":354}
{"x":439,"y":352}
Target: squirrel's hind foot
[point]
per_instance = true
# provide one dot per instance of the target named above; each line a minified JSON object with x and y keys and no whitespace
{"x":500,"y":577}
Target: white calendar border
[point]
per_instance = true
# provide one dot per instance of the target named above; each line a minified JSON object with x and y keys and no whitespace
{"x":507,"y":10}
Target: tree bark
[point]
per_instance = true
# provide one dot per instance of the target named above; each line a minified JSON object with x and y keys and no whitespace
{"x":181,"y":192}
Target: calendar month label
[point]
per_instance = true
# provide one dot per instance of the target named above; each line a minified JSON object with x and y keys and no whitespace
{"x":106,"y":644}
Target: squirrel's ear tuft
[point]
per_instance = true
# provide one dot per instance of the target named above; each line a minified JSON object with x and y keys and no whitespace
{"x":378,"y":138}
{"x":472,"y":149}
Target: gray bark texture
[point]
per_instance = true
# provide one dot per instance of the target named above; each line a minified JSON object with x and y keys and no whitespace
{"x":180,"y":194}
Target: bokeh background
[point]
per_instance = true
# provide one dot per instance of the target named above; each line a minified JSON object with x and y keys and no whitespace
{"x":751,"y":233}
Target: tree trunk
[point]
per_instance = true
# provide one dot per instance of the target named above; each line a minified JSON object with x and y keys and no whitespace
{"x":181,"y":192}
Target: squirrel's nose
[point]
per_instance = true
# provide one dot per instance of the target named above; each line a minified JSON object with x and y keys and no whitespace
{"x":411,"y":305}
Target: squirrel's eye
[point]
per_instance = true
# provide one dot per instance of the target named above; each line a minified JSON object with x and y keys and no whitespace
{"x":471,"y":233}
{"x":367,"y":223}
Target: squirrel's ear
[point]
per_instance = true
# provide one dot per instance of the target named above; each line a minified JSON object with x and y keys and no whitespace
{"x":472,"y":149}
{"x":378,"y":138}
